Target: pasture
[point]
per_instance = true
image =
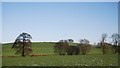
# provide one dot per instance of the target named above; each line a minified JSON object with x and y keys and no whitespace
{"x":48,"y":58}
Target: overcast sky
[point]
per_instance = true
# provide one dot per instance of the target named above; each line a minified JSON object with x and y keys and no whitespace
{"x":59,"y":20}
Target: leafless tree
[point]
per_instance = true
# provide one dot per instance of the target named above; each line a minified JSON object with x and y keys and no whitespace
{"x":116,"y":41}
{"x":104,"y":46}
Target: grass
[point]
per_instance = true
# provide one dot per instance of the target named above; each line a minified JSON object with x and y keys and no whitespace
{"x":81,"y":60}
{"x":94,"y":58}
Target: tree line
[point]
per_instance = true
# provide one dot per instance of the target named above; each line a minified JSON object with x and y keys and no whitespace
{"x":23,"y":45}
{"x":62,"y":47}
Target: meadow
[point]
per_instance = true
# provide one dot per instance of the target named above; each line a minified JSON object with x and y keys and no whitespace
{"x":48,"y":58}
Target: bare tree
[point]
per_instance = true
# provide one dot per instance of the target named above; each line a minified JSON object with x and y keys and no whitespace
{"x":103,"y":37}
{"x":115,"y":38}
{"x":105,"y":46}
{"x":116,"y":41}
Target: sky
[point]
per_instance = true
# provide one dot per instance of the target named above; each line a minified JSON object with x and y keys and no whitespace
{"x":59,"y":0}
{"x":53,"y":21}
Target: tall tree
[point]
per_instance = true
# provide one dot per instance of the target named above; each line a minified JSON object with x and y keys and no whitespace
{"x":105,"y":46}
{"x":22,"y":44}
{"x":103,"y":37}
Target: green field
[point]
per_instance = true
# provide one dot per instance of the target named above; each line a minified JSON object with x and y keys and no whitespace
{"x":94,"y":58}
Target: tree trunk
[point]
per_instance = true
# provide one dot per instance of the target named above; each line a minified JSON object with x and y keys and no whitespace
{"x":23,"y":52}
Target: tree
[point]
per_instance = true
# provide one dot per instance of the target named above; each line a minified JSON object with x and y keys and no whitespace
{"x":61,"y":47}
{"x":103,"y":37}
{"x":116,"y":41}
{"x":115,"y":38}
{"x":22,"y":44}
{"x":70,"y":40}
{"x":105,"y":46}
{"x":84,"y":41}
{"x":84,"y":46}
{"x":61,"y":40}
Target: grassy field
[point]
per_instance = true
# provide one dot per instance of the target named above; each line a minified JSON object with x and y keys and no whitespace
{"x":94,"y":58}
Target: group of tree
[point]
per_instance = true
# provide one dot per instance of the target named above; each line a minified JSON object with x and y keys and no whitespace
{"x":62,"y":47}
{"x":106,"y":47}
{"x":22,"y":45}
